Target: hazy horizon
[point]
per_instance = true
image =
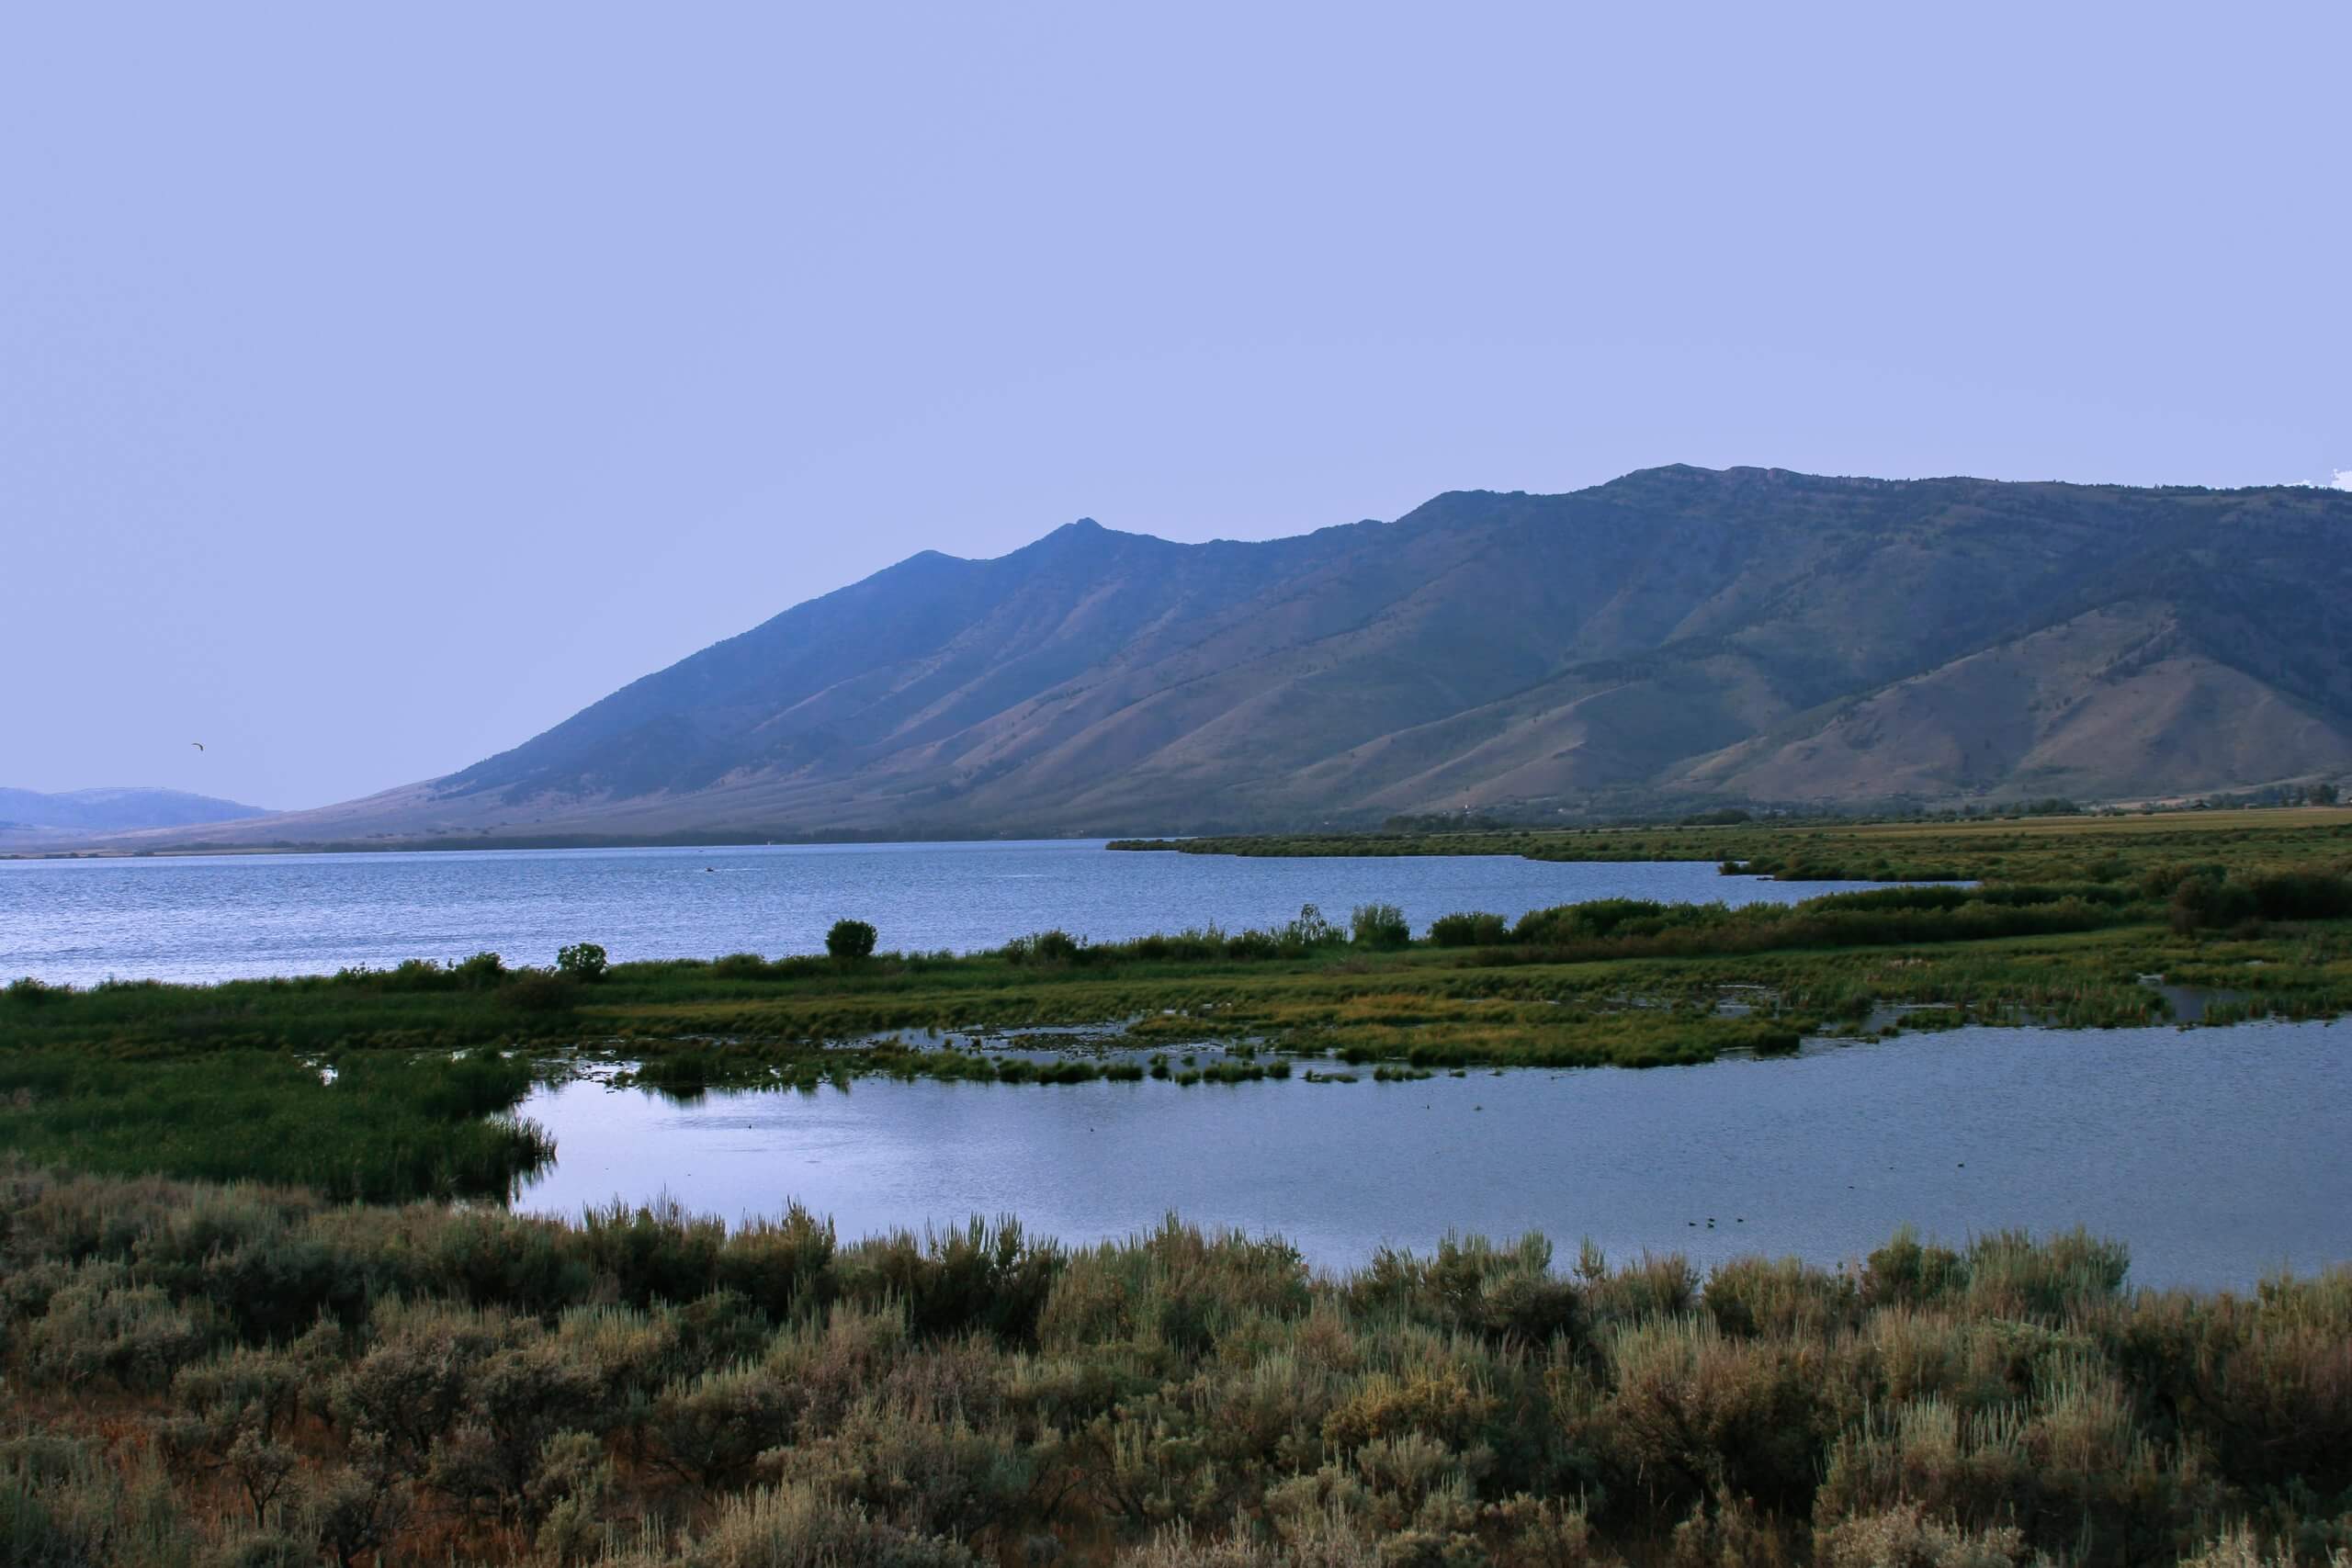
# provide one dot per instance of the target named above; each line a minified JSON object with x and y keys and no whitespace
{"x":383,"y":390}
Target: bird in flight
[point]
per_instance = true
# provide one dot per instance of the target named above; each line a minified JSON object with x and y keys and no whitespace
{"x":197,"y":744}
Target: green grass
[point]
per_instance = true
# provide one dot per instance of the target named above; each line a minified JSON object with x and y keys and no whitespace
{"x":386,"y":1127}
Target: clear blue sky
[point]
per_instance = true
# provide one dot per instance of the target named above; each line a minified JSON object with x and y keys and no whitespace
{"x":378,"y":385}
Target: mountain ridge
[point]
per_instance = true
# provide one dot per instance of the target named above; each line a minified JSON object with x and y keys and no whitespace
{"x":1678,"y":633}
{"x":114,"y":808}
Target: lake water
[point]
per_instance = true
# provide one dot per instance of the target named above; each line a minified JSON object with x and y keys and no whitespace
{"x":2219,"y":1154}
{"x":226,"y":917}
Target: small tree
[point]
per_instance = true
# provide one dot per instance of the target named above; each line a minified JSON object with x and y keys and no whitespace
{"x":850,"y":939}
{"x":585,"y":960}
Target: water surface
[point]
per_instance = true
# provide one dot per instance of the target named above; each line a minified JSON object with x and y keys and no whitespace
{"x":226,"y":917}
{"x":2218,"y":1153}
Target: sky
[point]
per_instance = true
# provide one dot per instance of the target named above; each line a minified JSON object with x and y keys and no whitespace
{"x":380,"y":385}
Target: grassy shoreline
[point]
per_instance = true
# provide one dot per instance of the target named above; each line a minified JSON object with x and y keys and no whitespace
{"x":2024,"y":849}
{"x":198,"y":1374}
{"x":227,"y":1081}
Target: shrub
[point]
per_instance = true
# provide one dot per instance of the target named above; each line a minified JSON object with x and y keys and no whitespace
{"x":362,"y":1506}
{"x":134,"y":1335}
{"x":1595,"y":917}
{"x":1749,"y":1297}
{"x":1701,"y":1413}
{"x":850,"y":940}
{"x":1378,"y":925}
{"x":1906,"y":1274}
{"x":566,"y":1492}
{"x":416,"y":1380}
{"x":540,"y":991}
{"x":2301,"y":896}
{"x":800,"y":1525}
{"x":581,"y":961}
{"x":478,"y":973}
{"x":779,"y":1264}
{"x":711,"y":1432}
{"x":1048,"y":949}
{"x":1907,"y":1536}
{"x":519,"y":1400}
{"x":1469,"y":929}
{"x":31,"y":992}
{"x":650,"y":1253}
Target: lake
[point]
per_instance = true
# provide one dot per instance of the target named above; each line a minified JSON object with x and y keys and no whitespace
{"x":231,"y":916}
{"x":2218,"y":1153}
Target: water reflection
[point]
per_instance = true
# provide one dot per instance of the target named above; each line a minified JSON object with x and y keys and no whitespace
{"x":2216,"y":1154}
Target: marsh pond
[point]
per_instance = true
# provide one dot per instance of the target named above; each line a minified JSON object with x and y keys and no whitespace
{"x":2218,"y":1155}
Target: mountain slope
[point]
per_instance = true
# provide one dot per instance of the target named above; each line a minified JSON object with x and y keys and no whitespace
{"x":114,"y":810}
{"x":1744,"y":633}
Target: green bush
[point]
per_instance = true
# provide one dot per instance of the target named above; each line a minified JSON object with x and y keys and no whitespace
{"x":28,"y":991}
{"x":1378,"y":926}
{"x":850,"y":940}
{"x":1051,"y":950}
{"x":478,"y":973}
{"x":1469,"y":929}
{"x":581,"y":960}
{"x":541,"y":991}
{"x":711,"y":1432}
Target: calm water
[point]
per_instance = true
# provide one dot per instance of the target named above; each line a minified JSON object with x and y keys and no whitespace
{"x":2218,"y":1153}
{"x":75,"y":922}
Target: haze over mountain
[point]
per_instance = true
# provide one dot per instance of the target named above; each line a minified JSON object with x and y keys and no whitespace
{"x":25,"y":811}
{"x":1679,"y":634}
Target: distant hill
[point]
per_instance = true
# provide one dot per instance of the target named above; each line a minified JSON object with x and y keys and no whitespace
{"x":114,"y":810}
{"x":1679,"y":634}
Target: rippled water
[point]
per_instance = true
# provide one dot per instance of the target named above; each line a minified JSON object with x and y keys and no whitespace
{"x":2217,"y":1154}
{"x":224,"y":916}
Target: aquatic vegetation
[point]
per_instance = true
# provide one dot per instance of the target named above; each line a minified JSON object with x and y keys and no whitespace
{"x":1615,"y":982}
{"x":2047,"y":848}
{"x":384,"y":1127}
{"x":198,"y":1373}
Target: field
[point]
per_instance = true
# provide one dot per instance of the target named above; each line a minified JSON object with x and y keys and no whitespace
{"x":246,"y":1375}
{"x":2016,"y":849}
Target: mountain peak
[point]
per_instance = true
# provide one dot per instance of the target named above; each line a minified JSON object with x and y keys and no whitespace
{"x":1085,"y":538}
{"x":1677,"y":634}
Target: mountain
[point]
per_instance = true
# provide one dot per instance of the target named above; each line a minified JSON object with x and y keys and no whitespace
{"x":113,"y":810}
{"x":1679,"y":634}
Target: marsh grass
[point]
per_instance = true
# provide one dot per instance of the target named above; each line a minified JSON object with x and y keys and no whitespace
{"x":2063,"y":848}
{"x":384,"y":1127}
{"x":217,"y":1081}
